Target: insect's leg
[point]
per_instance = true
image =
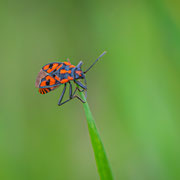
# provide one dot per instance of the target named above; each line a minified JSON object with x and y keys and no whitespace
{"x":71,"y":95}
{"x":80,"y":90}
{"x":83,"y":90}
{"x":75,"y":91}
{"x":70,"y":90}
{"x":81,"y":85}
{"x":76,"y":96}
{"x":61,"y":97}
{"x":85,"y":82}
{"x":65,"y":102}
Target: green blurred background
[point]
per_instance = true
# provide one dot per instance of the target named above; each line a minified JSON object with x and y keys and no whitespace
{"x":133,"y":91}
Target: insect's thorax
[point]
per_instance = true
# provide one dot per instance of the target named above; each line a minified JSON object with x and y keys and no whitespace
{"x":68,"y":72}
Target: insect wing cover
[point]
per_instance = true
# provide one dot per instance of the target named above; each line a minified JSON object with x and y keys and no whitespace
{"x":40,"y":76}
{"x":52,"y":67}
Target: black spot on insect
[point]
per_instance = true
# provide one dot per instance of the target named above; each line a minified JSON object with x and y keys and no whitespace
{"x":50,"y":66}
{"x":48,"y":82}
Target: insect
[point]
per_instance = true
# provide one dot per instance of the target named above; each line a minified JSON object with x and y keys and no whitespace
{"x":54,"y":74}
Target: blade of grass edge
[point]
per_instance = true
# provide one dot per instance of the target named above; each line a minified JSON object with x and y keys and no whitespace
{"x":102,"y":163}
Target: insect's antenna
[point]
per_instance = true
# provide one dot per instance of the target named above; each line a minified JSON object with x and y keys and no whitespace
{"x":95,"y":62}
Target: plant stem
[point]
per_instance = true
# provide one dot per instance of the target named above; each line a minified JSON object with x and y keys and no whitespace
{"x":102,"y":163}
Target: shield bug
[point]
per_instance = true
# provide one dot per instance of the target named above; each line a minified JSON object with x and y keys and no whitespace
{"x":54,"y":74}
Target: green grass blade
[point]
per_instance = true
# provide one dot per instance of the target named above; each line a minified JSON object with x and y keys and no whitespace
{"x":102,"y":163}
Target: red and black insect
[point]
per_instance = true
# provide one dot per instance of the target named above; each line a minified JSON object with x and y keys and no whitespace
{"x":54,"y":74}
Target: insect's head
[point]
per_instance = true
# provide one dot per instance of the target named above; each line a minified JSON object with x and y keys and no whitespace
{"x":78,"y":71}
